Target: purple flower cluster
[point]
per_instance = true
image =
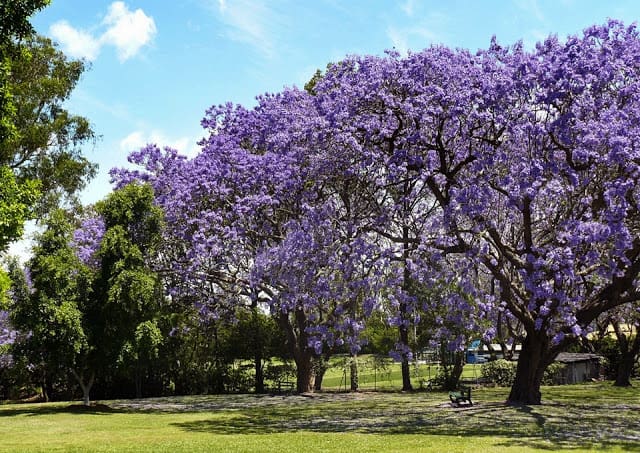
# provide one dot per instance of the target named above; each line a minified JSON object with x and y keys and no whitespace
{"x":86,"y":240}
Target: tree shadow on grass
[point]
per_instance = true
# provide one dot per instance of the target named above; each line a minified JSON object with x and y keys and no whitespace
{"x":49,"y":409}
{"x":561,"y":428}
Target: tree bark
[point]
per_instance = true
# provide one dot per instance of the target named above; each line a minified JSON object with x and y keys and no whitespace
{"x":321,"y":365}
{"x":405,"y":365}
{"x":257,"y":346}
{"x":86,"y":387}
{"x":297,"y":341}
{"x":404,"y":331}
{"x":305,"y":376}
{"x":629,"y":353}
{"x":354,"y":379}
{"x":535,"y":356}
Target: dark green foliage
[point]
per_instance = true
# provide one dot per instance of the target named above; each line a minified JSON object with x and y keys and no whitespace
{"x":16,"y":205}
{"x":14,"y":15}
{"x":50,"y":311}
{"x":14,"y":25}
{"x":127,"y":295}
{"x":380,"y":337}
{"x":47,"y":144}
{"x":41,"y":165}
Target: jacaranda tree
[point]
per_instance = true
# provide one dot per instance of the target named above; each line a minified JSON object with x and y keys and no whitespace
{"x":510,"y":175}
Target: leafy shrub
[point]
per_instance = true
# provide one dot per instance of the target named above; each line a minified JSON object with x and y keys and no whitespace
{"x":503,"y":372}
{"x":553,"y":374}
{"x":500,"y":372}
{"x":280,"y":372}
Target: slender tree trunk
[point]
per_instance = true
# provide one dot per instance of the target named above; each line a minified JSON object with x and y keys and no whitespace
{"x":404,"y":329}
{"x":45,"y":392}
{"x":138,"y":379}
{"x":321,"y":365}
{"x":534,"y":358}
{"x":405,"y":365}
{"x":257,"y":347}
{"x":85,"y":386}
{"x":354,"y":379}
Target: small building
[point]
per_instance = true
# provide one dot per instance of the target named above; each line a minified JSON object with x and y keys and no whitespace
{"x":579,"y":367}
{"x":478,"y":352}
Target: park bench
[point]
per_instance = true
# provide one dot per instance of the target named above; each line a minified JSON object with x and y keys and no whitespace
{"x":284,"y":387}
{"x":462,"y":395}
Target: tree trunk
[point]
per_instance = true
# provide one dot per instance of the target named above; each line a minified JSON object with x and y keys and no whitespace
{"x":259,"y":374}
{"x":138,"y":379}
{"x":354,"y":380}
{"x":627,"y":361}
{"x":534,"y":358}
{"x":86,"y":387}
{"x":321,"y":365}
{"x":305,"y":377}
{"x":257,"y":346}
{"x":456,"y":370}
{"x":405,"y":365}
{"x":297,"y":341}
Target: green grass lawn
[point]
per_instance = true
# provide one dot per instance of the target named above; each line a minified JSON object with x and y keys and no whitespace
{"x":592,"y":417}
{"x":373,"y":377}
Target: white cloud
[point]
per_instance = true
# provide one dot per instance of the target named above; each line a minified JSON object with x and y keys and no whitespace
{"x":76,"y":43}
{"x":251,"y":22}
{"x":128,"y":31}
{"x":137,"y":139}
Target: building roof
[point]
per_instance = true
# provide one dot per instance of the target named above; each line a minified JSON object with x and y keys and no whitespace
{"x":572,"y":357}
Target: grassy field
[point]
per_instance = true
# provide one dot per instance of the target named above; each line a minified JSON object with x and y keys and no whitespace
{"x":592,"y":417}
{"x":372,"y":376}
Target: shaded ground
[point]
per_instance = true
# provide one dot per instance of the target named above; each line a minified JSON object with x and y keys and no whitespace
{"x":553,"y":425}
{"x":593,"y":417}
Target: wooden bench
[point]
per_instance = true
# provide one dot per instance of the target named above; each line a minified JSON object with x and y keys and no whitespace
{"x":462,"y":395}
{"x":284,"y":387}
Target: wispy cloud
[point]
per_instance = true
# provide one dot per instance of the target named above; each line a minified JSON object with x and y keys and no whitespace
{"x":139,"y":138}
{"x":127,"y":31}
{"x":531,"y":8}
{"x":408,"y":7}
{"x":253,"y":22}
{"x":402,"y":38}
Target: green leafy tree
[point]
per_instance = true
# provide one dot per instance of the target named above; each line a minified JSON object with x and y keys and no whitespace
{"x":47,"y":144}
{"x":140,"y":353}
{"x":127,"y":294}
{"x":40,"y":160}
{"x":14,"y":25}
{"x":49,"y":313}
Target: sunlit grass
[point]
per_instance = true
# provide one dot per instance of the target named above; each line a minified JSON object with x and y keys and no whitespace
{"x":373,"y":377}
{"x":589,"y":417}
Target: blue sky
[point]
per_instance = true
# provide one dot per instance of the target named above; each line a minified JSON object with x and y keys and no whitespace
{"x":156,"y":65}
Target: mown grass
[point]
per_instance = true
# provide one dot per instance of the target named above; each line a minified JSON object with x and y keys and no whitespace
{"x":590,"y":417}
{"x":373,"y":377}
